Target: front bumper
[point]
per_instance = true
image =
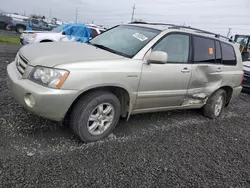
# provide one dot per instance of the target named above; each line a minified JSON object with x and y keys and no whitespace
{"x":49,"y":103}
{"x":23,"y":41}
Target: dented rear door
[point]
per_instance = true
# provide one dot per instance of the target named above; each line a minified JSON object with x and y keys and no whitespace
{"x":207,"y":69}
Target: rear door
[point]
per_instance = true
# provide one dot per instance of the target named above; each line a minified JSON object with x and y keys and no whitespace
{"x":34,"y":24}
{"x":44,"y":26}
{"x":207,"y":67}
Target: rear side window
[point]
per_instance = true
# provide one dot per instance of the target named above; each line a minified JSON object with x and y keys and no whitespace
{"x":102,"y":31}
{"x":218,"y":55}
{"x":35,"y":21}
{"x":228,"y":54}
{"x":93,"y":33}
{"x":204,"y":50}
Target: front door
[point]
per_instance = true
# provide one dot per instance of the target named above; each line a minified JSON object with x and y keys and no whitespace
{"x":165,"y":85}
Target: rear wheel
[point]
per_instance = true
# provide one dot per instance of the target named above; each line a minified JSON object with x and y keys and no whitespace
{"x":215,"y":104}
{"x":7,"y":27}
{"x":95,"y":115}
{"x":20,"y":29}
{"x":2,"y":25}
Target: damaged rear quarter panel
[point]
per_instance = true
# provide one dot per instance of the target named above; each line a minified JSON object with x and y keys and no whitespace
{"x":204,"y":81}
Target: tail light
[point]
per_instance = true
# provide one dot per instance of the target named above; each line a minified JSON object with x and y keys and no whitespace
{"x":11,"y":22}
{"x":242,"y":79}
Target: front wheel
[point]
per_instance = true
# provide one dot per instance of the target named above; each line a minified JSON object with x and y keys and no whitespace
{"x":95,"y":115}
{"x":215,"y":104}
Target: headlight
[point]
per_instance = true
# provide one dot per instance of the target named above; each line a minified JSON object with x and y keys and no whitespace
{"x":33,"y":35}
{"x":49,"y":77}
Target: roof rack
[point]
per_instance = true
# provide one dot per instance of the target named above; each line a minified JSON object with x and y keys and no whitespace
{"x":173,"y":26}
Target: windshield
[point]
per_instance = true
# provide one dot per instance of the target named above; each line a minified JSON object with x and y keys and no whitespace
{"x":57,"y":29}
{"x":126,"y":40}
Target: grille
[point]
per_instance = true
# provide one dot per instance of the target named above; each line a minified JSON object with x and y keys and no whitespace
{"x":21,"y":63}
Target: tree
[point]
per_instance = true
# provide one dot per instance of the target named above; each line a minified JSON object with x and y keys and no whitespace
{"x":139,"y":20}
{"x":35,"y":16}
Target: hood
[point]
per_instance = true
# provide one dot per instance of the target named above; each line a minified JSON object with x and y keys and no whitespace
{"x":56,"y":53}
{"x":31,"y":31}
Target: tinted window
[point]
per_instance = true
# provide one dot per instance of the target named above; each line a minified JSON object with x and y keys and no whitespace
{"x":204,"y":50}
{"x":44,"y":24}
{"x":176,"y":46}
{"x":34,"y":21}
{"x":218,"y":52}
{"x":228,"y":54}
{"x":102,"y":31}
{"x":93,"y":33}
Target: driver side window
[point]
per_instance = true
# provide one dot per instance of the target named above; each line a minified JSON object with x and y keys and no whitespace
{"x":176,"y":46}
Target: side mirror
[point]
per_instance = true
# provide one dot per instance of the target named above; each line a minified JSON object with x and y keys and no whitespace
{"x":245,"y":56}
{"x":157,"y":57}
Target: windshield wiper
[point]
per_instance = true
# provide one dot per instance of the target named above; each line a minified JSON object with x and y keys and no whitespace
{"x":107,"y":49}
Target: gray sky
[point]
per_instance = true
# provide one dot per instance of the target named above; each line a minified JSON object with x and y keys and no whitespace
{"x":213,"y":15}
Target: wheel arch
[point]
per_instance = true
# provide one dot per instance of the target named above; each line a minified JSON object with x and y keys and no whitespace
{"x":229,"y":92}
{"x":46,"y":40}
{"x":120,"y":92}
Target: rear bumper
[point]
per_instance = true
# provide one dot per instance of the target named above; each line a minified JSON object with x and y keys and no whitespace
{"x":236,"y":92}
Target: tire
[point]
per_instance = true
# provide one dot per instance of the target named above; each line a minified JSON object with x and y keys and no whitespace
{"x":7,"y":27}
{"x":210,"y":109}
{"x":20,"y":29}
{"x":79,"y":118}
{"x":2,"y":26}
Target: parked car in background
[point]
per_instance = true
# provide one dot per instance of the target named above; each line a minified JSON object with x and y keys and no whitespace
{"x":129,"y":69}
{"x":246,"y":81}
{"x":21,"y":25}
{"x":95,"y":30}
{"x":63,"y":33}
{"x":5,"y":21}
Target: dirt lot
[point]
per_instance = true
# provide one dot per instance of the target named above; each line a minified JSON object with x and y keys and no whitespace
{"x":172,"y":149}
{"x":8,"y":33}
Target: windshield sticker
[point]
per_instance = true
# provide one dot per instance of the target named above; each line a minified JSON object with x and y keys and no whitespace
{"x":140,"y":37}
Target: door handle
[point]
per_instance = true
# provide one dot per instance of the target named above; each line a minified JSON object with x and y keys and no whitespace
{"x":185,"y":70}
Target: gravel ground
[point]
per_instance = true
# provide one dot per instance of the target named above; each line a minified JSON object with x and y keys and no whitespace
{"x":172,"y":149}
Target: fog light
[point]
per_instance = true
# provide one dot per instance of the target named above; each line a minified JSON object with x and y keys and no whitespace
{"x":29,"y":100}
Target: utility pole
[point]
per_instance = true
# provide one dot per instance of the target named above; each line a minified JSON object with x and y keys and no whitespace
{"x":76,"y":14}
{"x":133,"y":13}
{"x":50,"y":13}
{"x":229,"y":31}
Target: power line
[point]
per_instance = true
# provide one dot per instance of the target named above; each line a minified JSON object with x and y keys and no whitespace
{"x":50,"y":13}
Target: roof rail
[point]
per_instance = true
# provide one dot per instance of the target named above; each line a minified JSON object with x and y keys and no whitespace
{"x":173,"y":26}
